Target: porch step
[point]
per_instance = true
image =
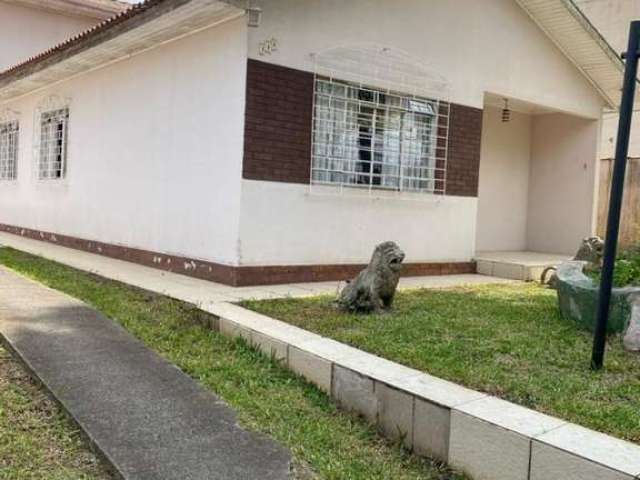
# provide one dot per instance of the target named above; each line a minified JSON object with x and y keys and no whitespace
{"x":525,"y":266}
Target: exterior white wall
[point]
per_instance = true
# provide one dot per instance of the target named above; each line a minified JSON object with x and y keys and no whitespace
{"x":610,"y":134}
{"x":562,"y":188}
{"x":479,"y":46}
{"x":285,"y":224}
{"x":25,"y":32}
{"x":504,"y":181}
{"x":155,"y":151}
{"x":612,"y":18}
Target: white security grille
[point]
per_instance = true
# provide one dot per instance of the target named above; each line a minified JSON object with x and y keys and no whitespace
{"x":374,"y":138}
{"x":8,"y":150}
{"x":52,"y":150}
{"x":380,"y":121}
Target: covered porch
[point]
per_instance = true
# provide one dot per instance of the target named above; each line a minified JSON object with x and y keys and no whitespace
{"x":537,"y":187}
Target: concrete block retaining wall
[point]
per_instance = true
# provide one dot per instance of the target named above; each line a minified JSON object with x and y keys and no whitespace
{"x":488,"y":438}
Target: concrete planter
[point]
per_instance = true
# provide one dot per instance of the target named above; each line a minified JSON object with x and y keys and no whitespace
{"x":578,"y":299}
{"x":486,"y":437}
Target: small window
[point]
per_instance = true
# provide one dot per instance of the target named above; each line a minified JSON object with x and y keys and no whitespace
{"x":8,"y":150}
{"x":53,"y":144}
{"x":381,"y":139}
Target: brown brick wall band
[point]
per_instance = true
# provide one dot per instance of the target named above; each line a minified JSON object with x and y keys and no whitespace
{"x":278,"y":120}
{"x":463,"y":152}
{"x":277,"y":136}
{"x":227,"y":274}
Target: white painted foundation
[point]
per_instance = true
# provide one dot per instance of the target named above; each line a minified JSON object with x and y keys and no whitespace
{"x":295,"y":224}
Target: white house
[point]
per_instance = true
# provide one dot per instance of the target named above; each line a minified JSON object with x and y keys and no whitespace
{"x":250,"y":147}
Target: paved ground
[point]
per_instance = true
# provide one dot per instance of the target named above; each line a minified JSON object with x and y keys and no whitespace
{"x":202,"y":292}
{"x":149,"y":419}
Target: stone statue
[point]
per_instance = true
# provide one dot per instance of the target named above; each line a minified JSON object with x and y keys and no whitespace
{"x":591,"y":251}
{"x":372,"y":291}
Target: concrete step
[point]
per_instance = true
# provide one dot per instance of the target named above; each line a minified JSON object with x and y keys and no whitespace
{"x":525,"y":266}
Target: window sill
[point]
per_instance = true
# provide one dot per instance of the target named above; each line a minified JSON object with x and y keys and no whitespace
{"x":53,"y":184}
{"x":373,"y":193}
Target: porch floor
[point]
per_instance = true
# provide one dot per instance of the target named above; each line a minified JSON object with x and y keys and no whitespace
{"x":516,"y":265}
{"x":203,"y":292}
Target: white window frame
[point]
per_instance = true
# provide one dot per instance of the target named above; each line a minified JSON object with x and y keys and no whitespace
{"x":51,"y":139}
{"x":375,"y":138}
{"x":9,"y":146}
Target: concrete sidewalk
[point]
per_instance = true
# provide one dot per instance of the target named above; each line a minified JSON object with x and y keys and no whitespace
{"x":144,"y":415}
{"x":202,"y":292}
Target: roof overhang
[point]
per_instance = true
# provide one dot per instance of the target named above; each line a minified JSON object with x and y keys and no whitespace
{"x":97,"y":9}
{"x":566,"y":25}
{"x":139,"y":28}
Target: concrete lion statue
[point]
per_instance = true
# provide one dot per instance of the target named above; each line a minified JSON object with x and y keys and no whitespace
{"x":372,"y":291}
{"x":590,"y":251}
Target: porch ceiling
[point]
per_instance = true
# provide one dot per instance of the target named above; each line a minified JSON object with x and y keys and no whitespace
{"x":580,"y":41}
{"x":139,"y":28}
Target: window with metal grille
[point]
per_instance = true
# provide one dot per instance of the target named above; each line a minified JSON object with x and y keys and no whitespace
{"x":9,"y":150}
{"x":53,"y":144}
{"x":372,"y":138}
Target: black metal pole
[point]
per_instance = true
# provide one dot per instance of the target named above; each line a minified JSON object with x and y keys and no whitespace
{"x":615,"y":200}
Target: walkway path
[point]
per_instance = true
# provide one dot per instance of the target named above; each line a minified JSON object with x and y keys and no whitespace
{"x":149,"y":419}
{"x":202,"y":292}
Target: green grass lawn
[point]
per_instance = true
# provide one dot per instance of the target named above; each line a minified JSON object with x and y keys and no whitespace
{"x":36,"y":440}
{"x":507,"y":340}
{"x":326,"y":442}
